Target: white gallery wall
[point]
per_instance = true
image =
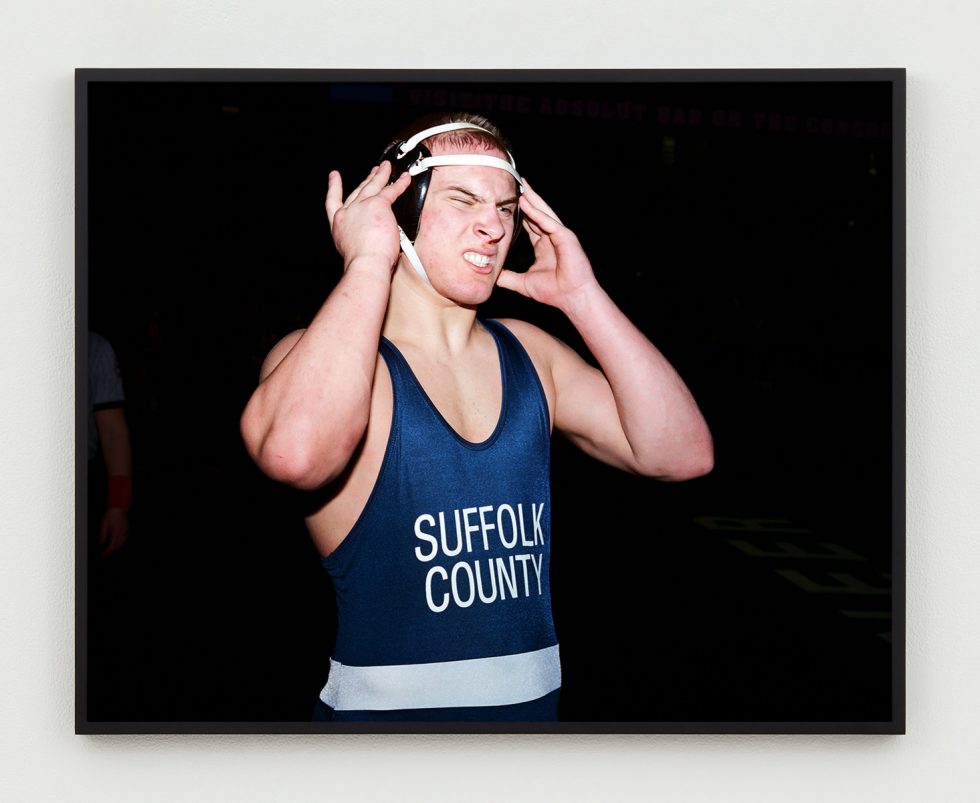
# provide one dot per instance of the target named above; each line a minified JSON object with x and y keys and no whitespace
{"x":42,"y":43}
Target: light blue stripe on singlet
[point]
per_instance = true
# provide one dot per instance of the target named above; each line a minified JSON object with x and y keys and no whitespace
{"x":501,"y":680}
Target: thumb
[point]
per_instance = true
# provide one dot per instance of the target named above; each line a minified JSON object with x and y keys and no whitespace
{"x":511,"y":280}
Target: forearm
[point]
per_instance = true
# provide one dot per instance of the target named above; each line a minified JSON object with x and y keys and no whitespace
{"x":117,"y":454}
{"x":114,"y":441}
{"x":308,"y":415}
{"x":664,"y":430}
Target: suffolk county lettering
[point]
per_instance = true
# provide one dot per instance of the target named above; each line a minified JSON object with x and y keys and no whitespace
{"x":486,"y":529}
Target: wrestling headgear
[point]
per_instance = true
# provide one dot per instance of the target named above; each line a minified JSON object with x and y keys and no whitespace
{"x":414,"y":157}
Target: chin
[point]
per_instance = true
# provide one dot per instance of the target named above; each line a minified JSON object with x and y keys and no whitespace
{"x":471,"y":298}
{"x":470,"y":293}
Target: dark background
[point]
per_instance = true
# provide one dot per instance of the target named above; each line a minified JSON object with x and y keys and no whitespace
{"x":745,"y":226}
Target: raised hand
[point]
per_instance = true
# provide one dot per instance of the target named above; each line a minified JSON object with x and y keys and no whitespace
{"x":364,"y":225}
{"x":561,"y":271}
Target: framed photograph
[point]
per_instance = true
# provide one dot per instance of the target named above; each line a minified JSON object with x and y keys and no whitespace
{"x":751,"y":224}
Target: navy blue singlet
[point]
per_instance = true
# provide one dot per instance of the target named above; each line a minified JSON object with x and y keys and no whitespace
{"x":443,"y":598}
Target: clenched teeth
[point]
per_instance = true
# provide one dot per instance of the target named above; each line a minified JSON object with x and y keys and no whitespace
{"x":480,"y":260}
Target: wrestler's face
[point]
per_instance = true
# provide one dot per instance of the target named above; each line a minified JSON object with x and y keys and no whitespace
{"x":467,"y":225}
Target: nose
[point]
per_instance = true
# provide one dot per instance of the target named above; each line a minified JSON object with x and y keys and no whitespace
{"x":490,"y":225}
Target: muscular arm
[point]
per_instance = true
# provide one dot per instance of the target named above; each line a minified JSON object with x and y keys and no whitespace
{"x":310,"y":410}
{"x":117,"y":454}
{"x":636,"y":413}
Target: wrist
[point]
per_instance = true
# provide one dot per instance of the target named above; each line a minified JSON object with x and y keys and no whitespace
{"x":373,"y":265}
{"x":580,"y":304}
{"x":120,"y":493}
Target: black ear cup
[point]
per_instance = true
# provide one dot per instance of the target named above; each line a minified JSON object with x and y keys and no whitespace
{"x":408,"y":206}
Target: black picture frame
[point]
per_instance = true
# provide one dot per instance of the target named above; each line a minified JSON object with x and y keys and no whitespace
{"x":751,"y":222}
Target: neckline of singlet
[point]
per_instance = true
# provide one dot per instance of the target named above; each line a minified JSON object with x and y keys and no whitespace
{"x":501,"y":417}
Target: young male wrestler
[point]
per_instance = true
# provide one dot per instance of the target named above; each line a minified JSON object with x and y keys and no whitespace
{"x":429,"y":427}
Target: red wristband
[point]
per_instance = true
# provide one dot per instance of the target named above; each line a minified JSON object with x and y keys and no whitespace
{"x":120,"y":492}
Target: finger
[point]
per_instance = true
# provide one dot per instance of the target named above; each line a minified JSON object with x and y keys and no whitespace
{"x":111,"y":546}
{"x":537,"y":200}
{"x":545,"y":222}
{"x":376,"y":184}
{"x":106,"y":538}
{"x":376,"y":181}
{"x":545,"y":255}
{"x":335,"y":195}
{"x":381,"y":176}
{"x":118,"y":539}
{"x":510,"y":280}
{"x":533,"y":232}
{"x":396,"y":188}
{"x":360,"y":187}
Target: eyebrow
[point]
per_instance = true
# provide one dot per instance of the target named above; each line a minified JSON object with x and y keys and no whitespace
{"x":475,"y":197}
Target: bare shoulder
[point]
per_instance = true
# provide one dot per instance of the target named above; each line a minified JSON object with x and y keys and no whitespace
{"x":536,"y":341}
{"x":279,"y":352}
{"x":545,"y":349}
{"x":564,"y":373}
{"x":548,"y":355}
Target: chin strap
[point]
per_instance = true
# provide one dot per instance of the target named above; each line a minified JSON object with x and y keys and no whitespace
{"x":409,"y":251}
